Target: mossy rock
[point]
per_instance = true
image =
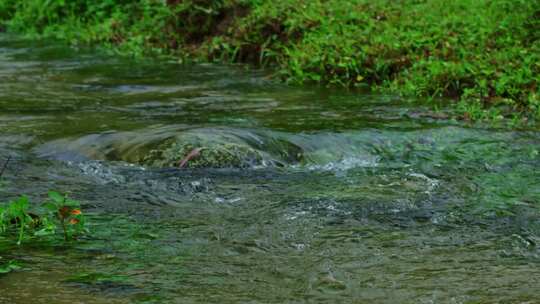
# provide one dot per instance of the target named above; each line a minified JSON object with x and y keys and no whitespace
{"x":225,"y":155}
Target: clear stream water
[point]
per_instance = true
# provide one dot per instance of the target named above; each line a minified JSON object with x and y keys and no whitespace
{"x":356,"y":198}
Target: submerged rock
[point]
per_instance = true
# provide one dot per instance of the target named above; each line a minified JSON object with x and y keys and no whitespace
{"x":216,"y":155}
{"x":223,"y":148}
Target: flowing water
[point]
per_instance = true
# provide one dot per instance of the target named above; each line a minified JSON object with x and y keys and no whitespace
{"x":315,"y":196}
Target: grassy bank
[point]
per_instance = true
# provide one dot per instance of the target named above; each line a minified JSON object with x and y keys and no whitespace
{"x":483,"y":53}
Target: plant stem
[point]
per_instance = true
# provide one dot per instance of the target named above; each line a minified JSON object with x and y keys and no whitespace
{"x":21,"y":231}
{"x":5,"y":166}
{"x":65,"y":230}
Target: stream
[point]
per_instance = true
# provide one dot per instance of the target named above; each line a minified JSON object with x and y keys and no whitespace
{"x":300,"y":194}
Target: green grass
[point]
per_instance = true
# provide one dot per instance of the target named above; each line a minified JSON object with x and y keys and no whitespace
{"x":483,"y":53}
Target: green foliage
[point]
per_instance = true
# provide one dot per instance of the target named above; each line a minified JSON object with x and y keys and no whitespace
{"x":15,"y":213}
{"x":9,"y":266}
{"x":59,"y":214}
{"x":67,"y":213}
{"x":484,"y":52}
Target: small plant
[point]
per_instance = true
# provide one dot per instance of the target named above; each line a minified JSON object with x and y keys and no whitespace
{"x":9,"y":266}
{"x":67,"y":213}
{"x":16,"y":214}
{"x":61,"y":215}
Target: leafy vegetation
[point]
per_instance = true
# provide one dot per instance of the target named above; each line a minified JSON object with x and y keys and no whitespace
{"x":58,"y":215}
{"x":9,"y":266}
{"x":484,"y":53}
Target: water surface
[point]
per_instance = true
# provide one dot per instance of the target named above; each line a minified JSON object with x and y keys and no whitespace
{"x":356,"y":198}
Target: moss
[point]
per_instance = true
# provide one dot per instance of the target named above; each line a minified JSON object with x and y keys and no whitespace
{"x":224,"y":155}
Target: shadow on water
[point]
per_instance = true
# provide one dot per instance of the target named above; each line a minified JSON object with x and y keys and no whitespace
{"x":297,"y":195}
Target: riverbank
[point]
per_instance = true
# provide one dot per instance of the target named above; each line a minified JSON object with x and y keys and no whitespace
{"x":484,"y":54}
{"x":298,"y":194}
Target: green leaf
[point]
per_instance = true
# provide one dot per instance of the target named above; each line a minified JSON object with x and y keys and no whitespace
{"x":9,"y":267}
{"x":44,"y":232}
{"x":22,"y":202}
{"x":71,"y":203}
{"x":18,"y":208}
{"x":56,"y":197}
{"x":50,"y":206}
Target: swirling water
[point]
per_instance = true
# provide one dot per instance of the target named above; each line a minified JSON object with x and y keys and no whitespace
{"x":355,"y":198}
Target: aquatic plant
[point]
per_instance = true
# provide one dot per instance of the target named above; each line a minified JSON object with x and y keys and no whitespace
{"x":9,"y":266}
{"x":60,"y":215}
{"x":67,"y":212}
{"x":16,"y":213}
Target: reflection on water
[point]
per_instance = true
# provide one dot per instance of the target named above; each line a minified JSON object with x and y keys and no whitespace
{"x":325,"y":196}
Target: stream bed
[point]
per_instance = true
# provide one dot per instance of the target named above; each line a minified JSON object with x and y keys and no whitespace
{"x":298,"y":194}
